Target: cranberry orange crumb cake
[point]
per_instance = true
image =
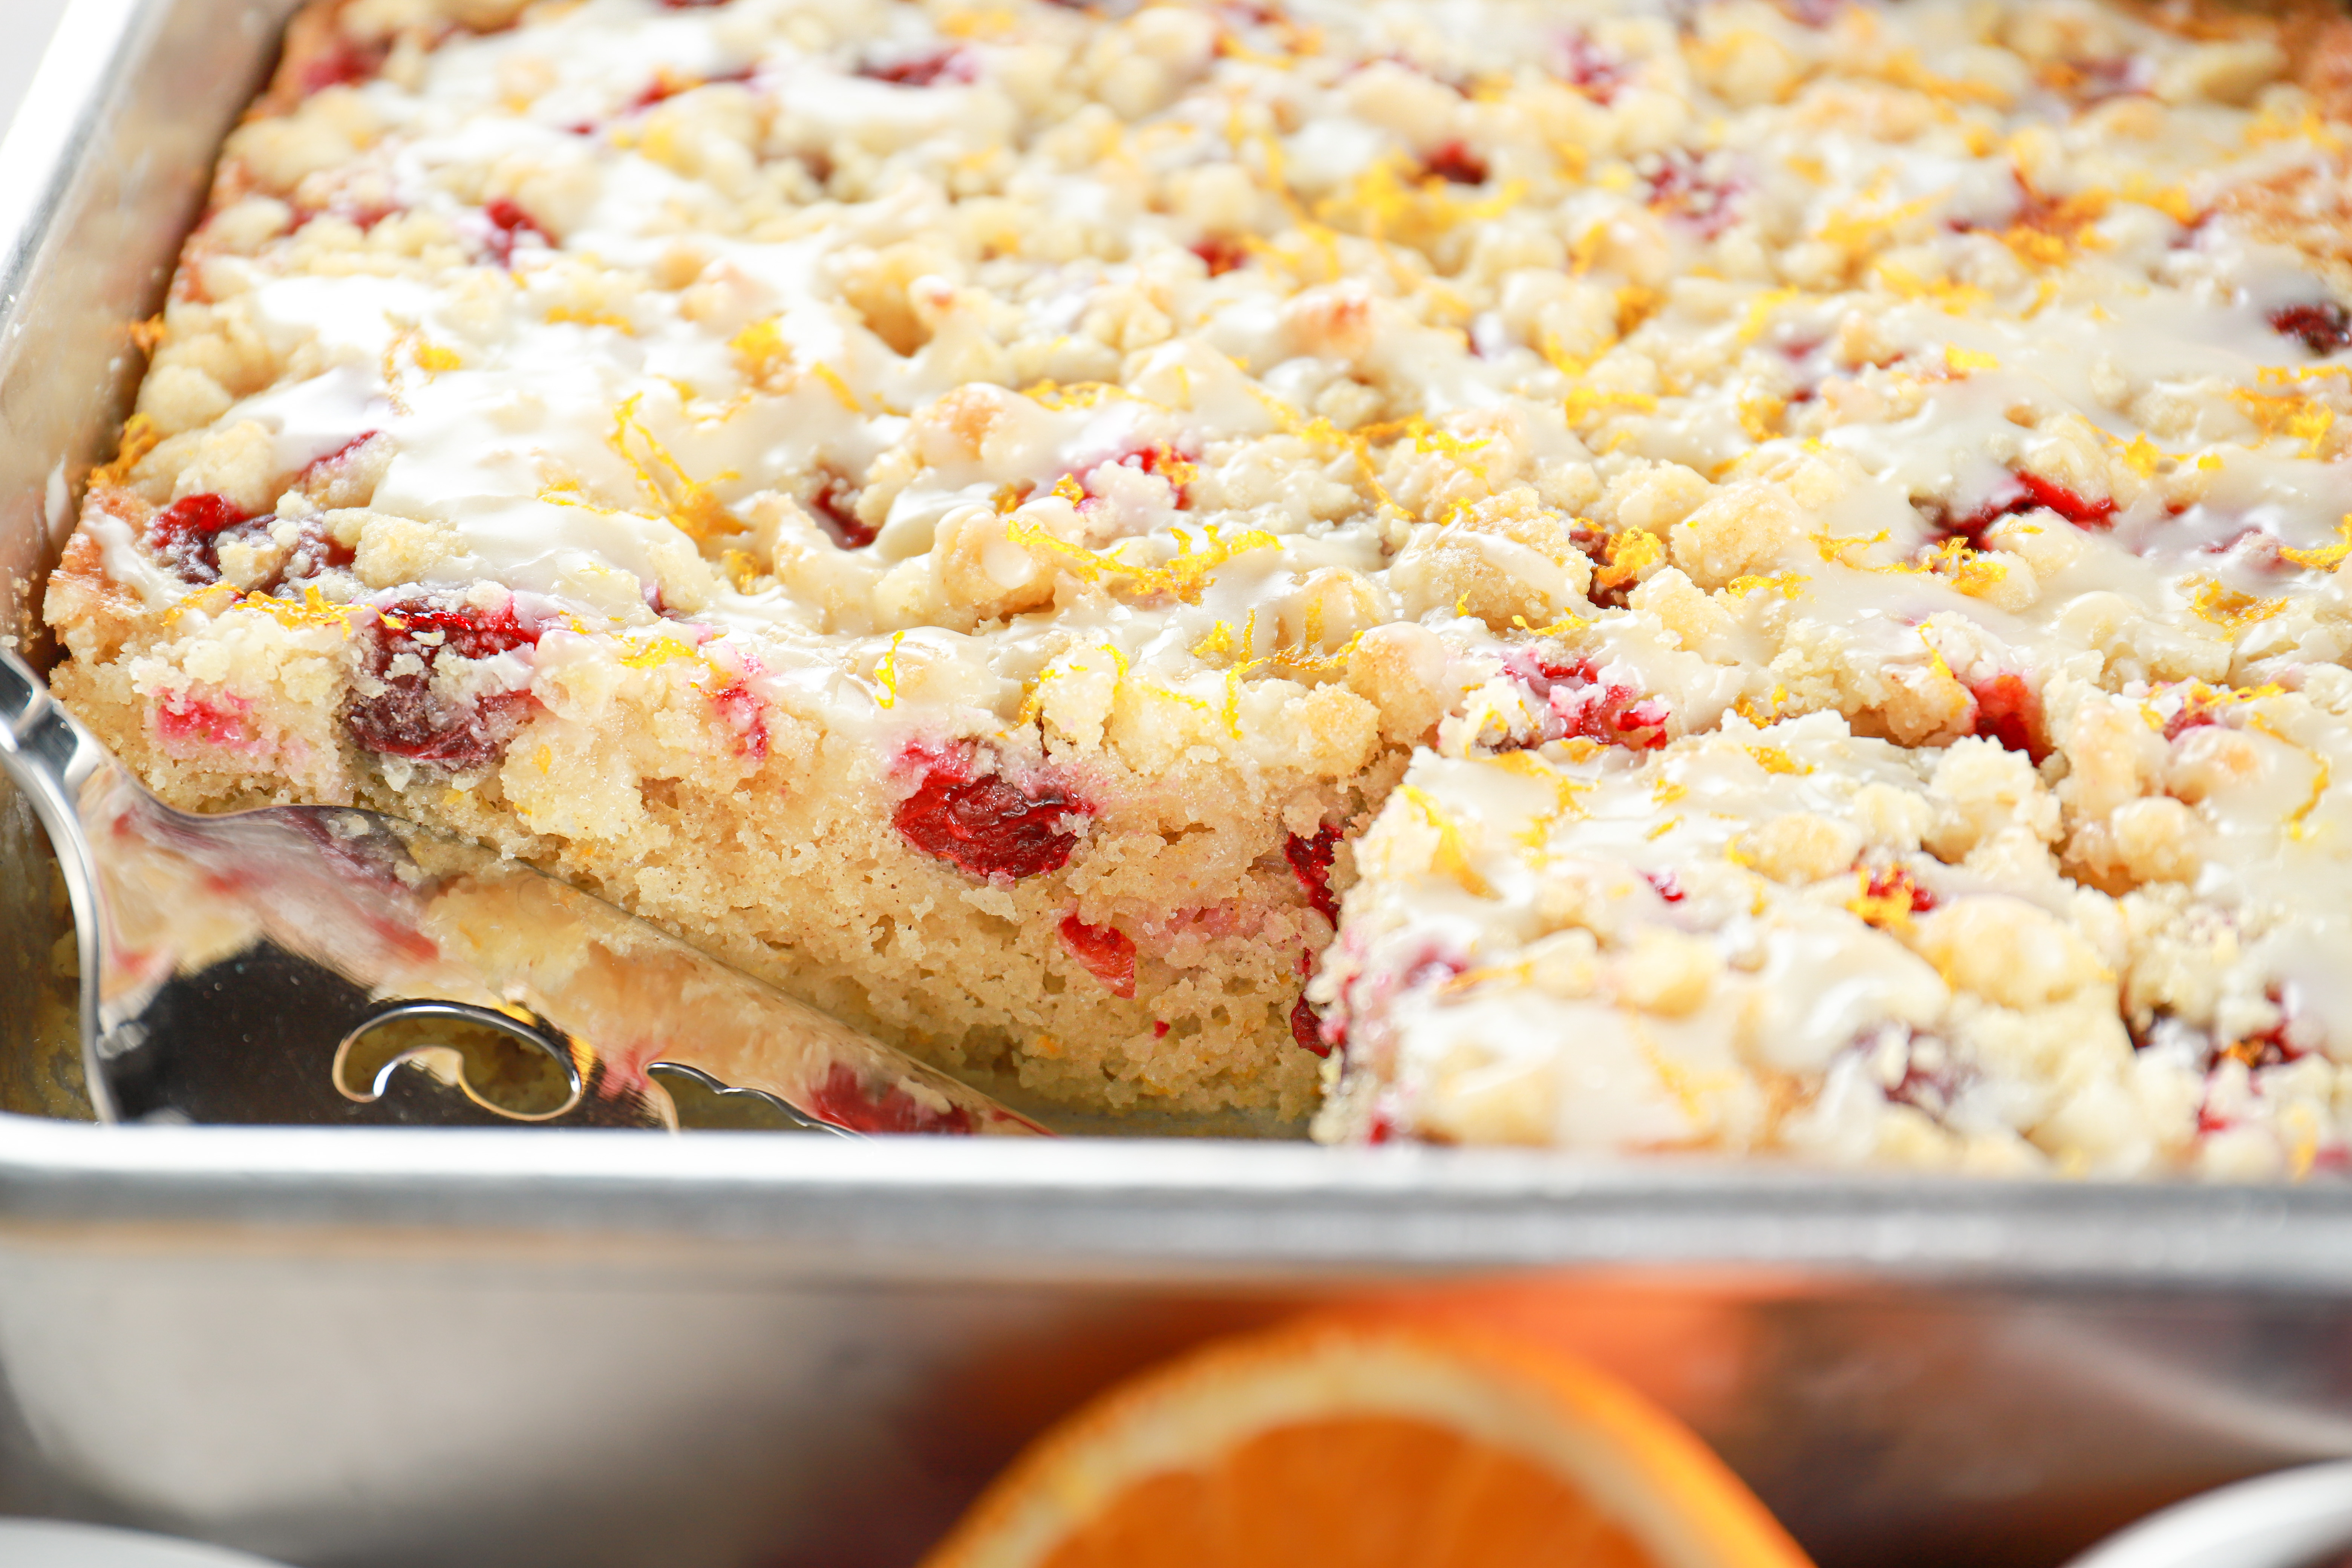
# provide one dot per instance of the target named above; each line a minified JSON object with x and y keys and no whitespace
{"x":1771,"y":570}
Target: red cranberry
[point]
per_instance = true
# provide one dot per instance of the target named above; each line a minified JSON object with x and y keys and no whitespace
{"x":1927,"y":1090}
{"x":739,"y":708}
{"x":2074,"y":509}
{"x":2195,"y":712}
{"x":1894,"y":881}
{"x":926,"y":70}
{"x":2290,"y":1039}
{"x":1610,"y":715}
{"x":665,"y":87}
{"x":317,"y":466}
{"x":1688,"y":188}
{"x":2186,"y":719}
{"x":407,"y":718}
{"x":1584,"y":65}
{"x":1160,"y":1028}
{"x":1457,"y":163}
{"x":1307,"y":1029}
{"x":2010,"y":711}
{"x":833,"y":503}
{"x":1540,"y":675}
{"x":661,"y":89}
{"x":2006,"y":503}
{"x":1310,"y":862}
{"x":185,"y":536}
{"x":509,"y":224}
{"x":2022,"y":493}
{"x":1665,"y":885}
{"x":342,"y":64}
{"x":465,"y":631}
{"x":1152,"y":459}
{"x":987,"y":825}
{"x":2324,"y":327}
{"x":1224,"y":254}
{"x":1623,"y":717}
{"x":2268,"y":1049}
{"x":1107,"y":951}
{"x":187,"y":724}
{"x":844,"y":1101}
{"x":1578,"y":703}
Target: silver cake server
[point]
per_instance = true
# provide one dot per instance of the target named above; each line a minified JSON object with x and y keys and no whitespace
{"x":283,"y":966}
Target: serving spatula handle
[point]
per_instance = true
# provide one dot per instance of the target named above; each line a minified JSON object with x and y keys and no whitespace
{"x":52,"y":760}
{"x":231,"y":966}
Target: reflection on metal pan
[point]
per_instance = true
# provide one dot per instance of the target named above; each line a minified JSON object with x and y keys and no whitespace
{"x":385,"y":1348}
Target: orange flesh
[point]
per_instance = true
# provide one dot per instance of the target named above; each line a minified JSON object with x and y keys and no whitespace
{"x":1356,"y":1491}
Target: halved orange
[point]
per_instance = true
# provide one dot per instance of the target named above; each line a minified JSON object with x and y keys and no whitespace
{"x":1351,"y":1444}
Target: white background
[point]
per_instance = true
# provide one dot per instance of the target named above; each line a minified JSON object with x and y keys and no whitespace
{"x":25,"y":28}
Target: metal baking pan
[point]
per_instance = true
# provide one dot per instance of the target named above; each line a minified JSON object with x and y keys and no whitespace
{"x":394,"y":1348}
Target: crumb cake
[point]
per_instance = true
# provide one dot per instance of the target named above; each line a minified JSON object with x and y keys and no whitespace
{"x":1769,"y":571}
